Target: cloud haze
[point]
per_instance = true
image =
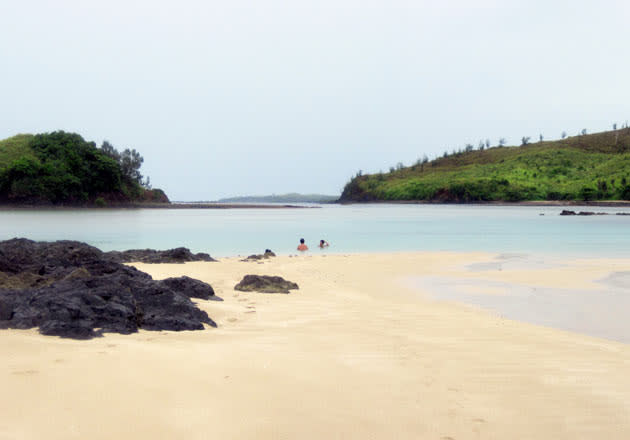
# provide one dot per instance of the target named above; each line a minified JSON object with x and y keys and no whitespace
{"x":257,"y":97}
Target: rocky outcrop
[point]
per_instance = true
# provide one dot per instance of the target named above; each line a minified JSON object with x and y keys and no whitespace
{"x":256,"y":257}
{"x":71,"y":289}
{"x":567,"y":212}
{"x":265,"y":284}
{"x":177,"y":255}
{"x":192,"y":288}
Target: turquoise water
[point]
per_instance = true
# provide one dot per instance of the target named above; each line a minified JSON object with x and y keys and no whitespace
{"x":350,"y":228}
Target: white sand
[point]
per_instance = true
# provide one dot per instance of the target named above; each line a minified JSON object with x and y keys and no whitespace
{"x":352,"y":354}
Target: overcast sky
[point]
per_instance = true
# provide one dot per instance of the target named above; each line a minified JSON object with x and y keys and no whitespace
{"x":242,"y":97}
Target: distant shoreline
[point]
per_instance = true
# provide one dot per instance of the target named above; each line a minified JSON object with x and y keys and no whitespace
{"x":159,"y":206}
{"x":216,"y":205}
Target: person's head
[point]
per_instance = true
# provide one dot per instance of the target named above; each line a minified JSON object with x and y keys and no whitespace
{"x":322,"y":241}
{"x":301,"y":241}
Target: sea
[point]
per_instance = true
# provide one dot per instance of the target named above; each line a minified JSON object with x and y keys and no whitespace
{"x":348,"y":229}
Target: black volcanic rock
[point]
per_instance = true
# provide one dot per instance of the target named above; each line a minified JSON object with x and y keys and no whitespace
{"x":71,"y":289}
{"x":255,"y":257}
{"x":265,"y":284}
{"x":583,"y":213}
{"x":177,"y":255}
{"x":192,"y":288}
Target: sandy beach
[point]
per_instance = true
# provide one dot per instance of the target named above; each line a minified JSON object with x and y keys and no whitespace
{"x":359,"y":351}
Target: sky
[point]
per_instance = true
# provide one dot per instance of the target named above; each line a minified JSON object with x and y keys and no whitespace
{"x":228,"y":98}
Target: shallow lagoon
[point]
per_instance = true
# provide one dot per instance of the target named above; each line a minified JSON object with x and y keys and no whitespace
{"x":349,"y":228}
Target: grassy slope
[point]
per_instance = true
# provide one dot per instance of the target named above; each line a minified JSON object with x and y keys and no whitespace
{"x":545,"y":170}
{"x":14,"y":148}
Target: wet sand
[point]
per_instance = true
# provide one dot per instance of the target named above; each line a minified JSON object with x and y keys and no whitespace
{"x":541,"y":291}
{"x":359,"y":351}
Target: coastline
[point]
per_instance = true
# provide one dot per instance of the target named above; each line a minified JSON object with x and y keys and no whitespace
{"x":195,"y":205}
{"x":356,"y":352}
{"x":158,"y":206}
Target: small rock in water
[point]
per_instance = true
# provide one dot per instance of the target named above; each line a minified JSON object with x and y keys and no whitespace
{"x":583,"y":213}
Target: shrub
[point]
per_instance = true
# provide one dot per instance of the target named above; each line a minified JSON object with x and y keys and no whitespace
{"x":588,"y":193}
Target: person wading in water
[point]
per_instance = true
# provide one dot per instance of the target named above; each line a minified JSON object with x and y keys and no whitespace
{"x":302,"y":247}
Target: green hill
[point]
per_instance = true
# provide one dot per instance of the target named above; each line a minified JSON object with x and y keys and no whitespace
{"x":63,"y":168}
{"x":585,"y":167}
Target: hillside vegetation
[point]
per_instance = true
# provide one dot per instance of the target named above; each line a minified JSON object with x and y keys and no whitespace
{"x":63,"y":168}
{"x":585,"y":167}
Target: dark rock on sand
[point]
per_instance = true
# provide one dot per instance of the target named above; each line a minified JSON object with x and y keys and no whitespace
{"x":265,"y":284}
{"x":177,"y":255}
{"x":71,"y":289}
{"x":268,"y":254}
{"x":192,"y":288}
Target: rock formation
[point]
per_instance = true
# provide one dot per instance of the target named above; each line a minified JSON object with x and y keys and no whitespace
{"x":265,"y":284}
{"x":256,"y":257}
{"x":177,"y":255}
{"x":71,"y":289}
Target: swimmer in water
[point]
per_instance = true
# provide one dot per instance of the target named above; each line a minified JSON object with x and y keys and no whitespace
{"x":302,"y":247}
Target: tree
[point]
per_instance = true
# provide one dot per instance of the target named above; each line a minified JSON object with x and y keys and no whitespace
{"x":65,"y":168}
{"x":130,"y":163}
{"x":525,"y":140}
{"x":482,"y":145}
{"x":540,"y":137}
{"x":615,"y":126}
{"x":110,"y":151}
{"x":583,"y":132}
{"x":502,"y":142}
{"x":564,"y":134}
{"x":487,"y":143}
{"x":469,"y":148}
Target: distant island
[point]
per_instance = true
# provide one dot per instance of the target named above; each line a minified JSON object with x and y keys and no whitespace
{"x":282,"y":198}
{"x":62,"y":168}
{"x":587,"y":167}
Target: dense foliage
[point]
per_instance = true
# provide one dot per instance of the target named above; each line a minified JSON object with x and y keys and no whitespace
{"x":62,"y":167}
{"x":585,"y":167}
